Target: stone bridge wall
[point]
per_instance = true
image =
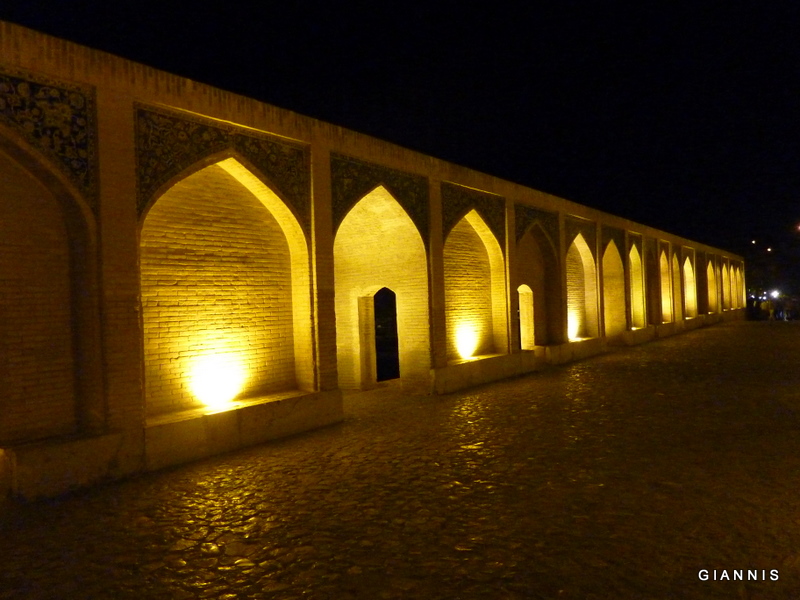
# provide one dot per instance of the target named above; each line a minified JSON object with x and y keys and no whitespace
{"x":175,"y":260}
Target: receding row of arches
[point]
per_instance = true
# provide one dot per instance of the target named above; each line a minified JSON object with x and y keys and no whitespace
{"x":227,"y":308}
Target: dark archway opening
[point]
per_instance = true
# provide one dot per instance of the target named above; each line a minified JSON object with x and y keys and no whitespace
{"x":387,"y":351}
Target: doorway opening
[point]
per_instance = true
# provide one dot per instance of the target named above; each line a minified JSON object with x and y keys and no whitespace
{"x":387,"y":352}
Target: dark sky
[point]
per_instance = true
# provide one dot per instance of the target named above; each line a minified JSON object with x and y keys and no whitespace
{"x":681,"y":116}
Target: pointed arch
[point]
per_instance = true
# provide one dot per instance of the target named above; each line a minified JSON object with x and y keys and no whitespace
{"x":689,"y":289}
{"x":219,"y":250}
{"x":726,"y":288}
{"x":677,"y":296}
{"x":638,"y":316}
{"x":739,"y":294}
{"x":613,"y":291}
{"x":377,"y":245}
{"x":537,"y":268}
{"x":711,"y":288}
{"x":666,"y":289}
{"x":581,"y":291}
{"x":475,"y":298}
{"x":50,"y":326}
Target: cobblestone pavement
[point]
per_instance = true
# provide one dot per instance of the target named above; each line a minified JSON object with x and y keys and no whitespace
{"x":618,"y":477}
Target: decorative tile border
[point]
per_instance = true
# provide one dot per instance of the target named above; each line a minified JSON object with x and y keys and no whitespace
{"x":525,"y":216}
{"x":168,"y":143}
{"x":352,"y":179}
{"x":458,"y":200}
{"x":60,"y":120}
{"x":615,"y":234}
{"x":574,"y":225}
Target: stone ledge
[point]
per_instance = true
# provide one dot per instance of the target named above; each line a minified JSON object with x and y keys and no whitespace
{"x":190,"y":435}
{"x":462,"y":374}
{"x":53,"y":467}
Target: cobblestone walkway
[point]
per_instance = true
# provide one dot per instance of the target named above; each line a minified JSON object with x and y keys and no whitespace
{"x":618,"y":477}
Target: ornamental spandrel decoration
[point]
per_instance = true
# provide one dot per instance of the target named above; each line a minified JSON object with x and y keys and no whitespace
{"x":574,"y":226}
{"x":458,"y":200}
{"x":352,"y":179}
{"x":525,"y":216}
{"x":615,"y":234}
{"x":168,"y":143}
{"x":635,"y":241}
{"x":60,"y":120}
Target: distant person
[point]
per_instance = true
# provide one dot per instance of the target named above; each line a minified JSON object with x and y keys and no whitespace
{"x":770,"y":309}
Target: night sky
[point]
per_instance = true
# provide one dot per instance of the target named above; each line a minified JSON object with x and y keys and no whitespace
{"x":682,"y":116}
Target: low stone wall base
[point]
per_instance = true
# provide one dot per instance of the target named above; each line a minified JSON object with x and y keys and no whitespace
{"x":183,"y":437}
{"x":484,"y":369}
{"x":55,"y":467}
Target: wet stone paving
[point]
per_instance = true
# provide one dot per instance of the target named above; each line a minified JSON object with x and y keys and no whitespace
{"x":628,"y":475}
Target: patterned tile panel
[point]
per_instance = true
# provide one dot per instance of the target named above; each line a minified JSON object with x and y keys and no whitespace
{"x":60,"y":120}
{"x":573,"y":226}
{"x":528,"y":215}
{"x":458,"y":200}
{"x":612,"y":233}
{"x":167,"y":143}
{"x":352,"y":179}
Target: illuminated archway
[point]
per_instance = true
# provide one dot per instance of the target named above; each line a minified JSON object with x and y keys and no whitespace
{"x":666,"y":289}
{"x":637,"y":289}
{"x":378,"y":246}
{"x":613,"y":291}
{"x":475,"y":299}
{"x":689,"y":288}
{"x":712,"y":288}
{"x":225,"y":292}
{"x":581,"y":291}
{"x":677,"y":297}
{"x":537,"y":268}
{"x":726,"y":288}
{"x":47,"y":301}
{"x":739,"y":295}
{"x":526,"y":327}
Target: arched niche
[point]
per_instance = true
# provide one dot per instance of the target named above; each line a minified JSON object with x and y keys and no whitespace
{"x":475,"y":298}
{"x":49,"y":333}
{"x":581,"y":291}
{"x":378,"y":246}
{"x":613,"y":291}
{"x":689,"y":288}
{"x":527,"y":340}
{"x":537,"y":268}
{"x":653,"y":288}
{"x":711,"y":290}
{"x":677,"y":297}
{"x":726,"y":288}
{"x":638,"y":317}
{"x":225,"y":292}
{"x":666,"y":288}
{"x":739,"y":294}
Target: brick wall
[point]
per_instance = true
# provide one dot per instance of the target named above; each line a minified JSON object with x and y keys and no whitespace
{"x":37,"y":374}
{"x":531,"y":272}
{"x":713,"y":305}
{"x":726,"y":288}
{"x":613,"y":291}
{"x":676,"y":288}
{"x":468,"y":289}
{"x":689,"y":288}
{"x":581,"y":290}
{"x":666,"y":289}
{"x":637,"y":289}
{"x":376,"y":246}
{"x":216,"y":275}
